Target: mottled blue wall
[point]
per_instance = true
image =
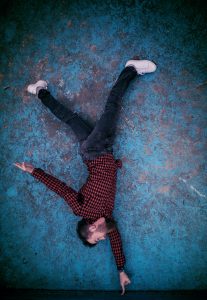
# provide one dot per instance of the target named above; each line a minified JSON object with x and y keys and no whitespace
{"x":80,"y":47}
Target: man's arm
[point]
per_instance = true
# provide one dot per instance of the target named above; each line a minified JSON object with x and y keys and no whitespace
{"x":59,"y":187}
{"x":116,"y":246}
{"x":54,"y":184}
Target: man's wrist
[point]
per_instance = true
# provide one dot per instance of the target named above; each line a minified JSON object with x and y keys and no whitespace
{"x":120,"y":270}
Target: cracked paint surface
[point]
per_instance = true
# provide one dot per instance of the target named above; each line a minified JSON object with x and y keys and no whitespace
{"x":80,"y":47}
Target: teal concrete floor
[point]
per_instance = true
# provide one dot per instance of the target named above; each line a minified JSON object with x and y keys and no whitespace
{"x":80,"y":47}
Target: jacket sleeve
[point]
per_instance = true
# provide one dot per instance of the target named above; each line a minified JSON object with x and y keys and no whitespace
{"x":60,"y":188}
{"x":116,"y":246}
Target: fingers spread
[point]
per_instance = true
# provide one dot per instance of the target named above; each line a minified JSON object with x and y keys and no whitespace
{"x":17,"y":164}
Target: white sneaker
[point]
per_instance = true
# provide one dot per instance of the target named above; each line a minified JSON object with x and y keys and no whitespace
{"x":32,"y":88}
{"x":142,"y":66}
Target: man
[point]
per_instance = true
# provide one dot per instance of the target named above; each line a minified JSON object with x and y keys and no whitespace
{"x":95,"y":200}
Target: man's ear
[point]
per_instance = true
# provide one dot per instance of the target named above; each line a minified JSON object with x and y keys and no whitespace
{"x":92,"y":228}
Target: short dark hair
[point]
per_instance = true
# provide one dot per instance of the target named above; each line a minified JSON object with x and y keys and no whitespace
{"x":83,"y":232}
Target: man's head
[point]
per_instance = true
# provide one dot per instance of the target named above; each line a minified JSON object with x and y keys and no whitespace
{"x":91,"y":234}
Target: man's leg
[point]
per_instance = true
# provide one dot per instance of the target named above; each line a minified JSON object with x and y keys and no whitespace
{"x":101,"y":139}
{"x":78,"y":125}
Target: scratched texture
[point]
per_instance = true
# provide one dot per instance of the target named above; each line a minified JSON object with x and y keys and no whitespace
{"x":80,"y":47}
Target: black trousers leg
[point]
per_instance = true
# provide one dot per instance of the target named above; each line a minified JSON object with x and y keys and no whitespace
{"x":79,"y":126}
{"x":101,"y":139}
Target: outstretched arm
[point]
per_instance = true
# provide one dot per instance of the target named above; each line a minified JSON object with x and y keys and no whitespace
{"x":54,"y":184}
{"x":116,"y":246}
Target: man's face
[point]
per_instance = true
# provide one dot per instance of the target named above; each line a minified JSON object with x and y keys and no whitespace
{"x":98,"y":231}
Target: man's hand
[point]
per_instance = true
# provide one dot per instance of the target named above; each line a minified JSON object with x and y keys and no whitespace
{"x":124,"y":280}
{"x":25,"y":167}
